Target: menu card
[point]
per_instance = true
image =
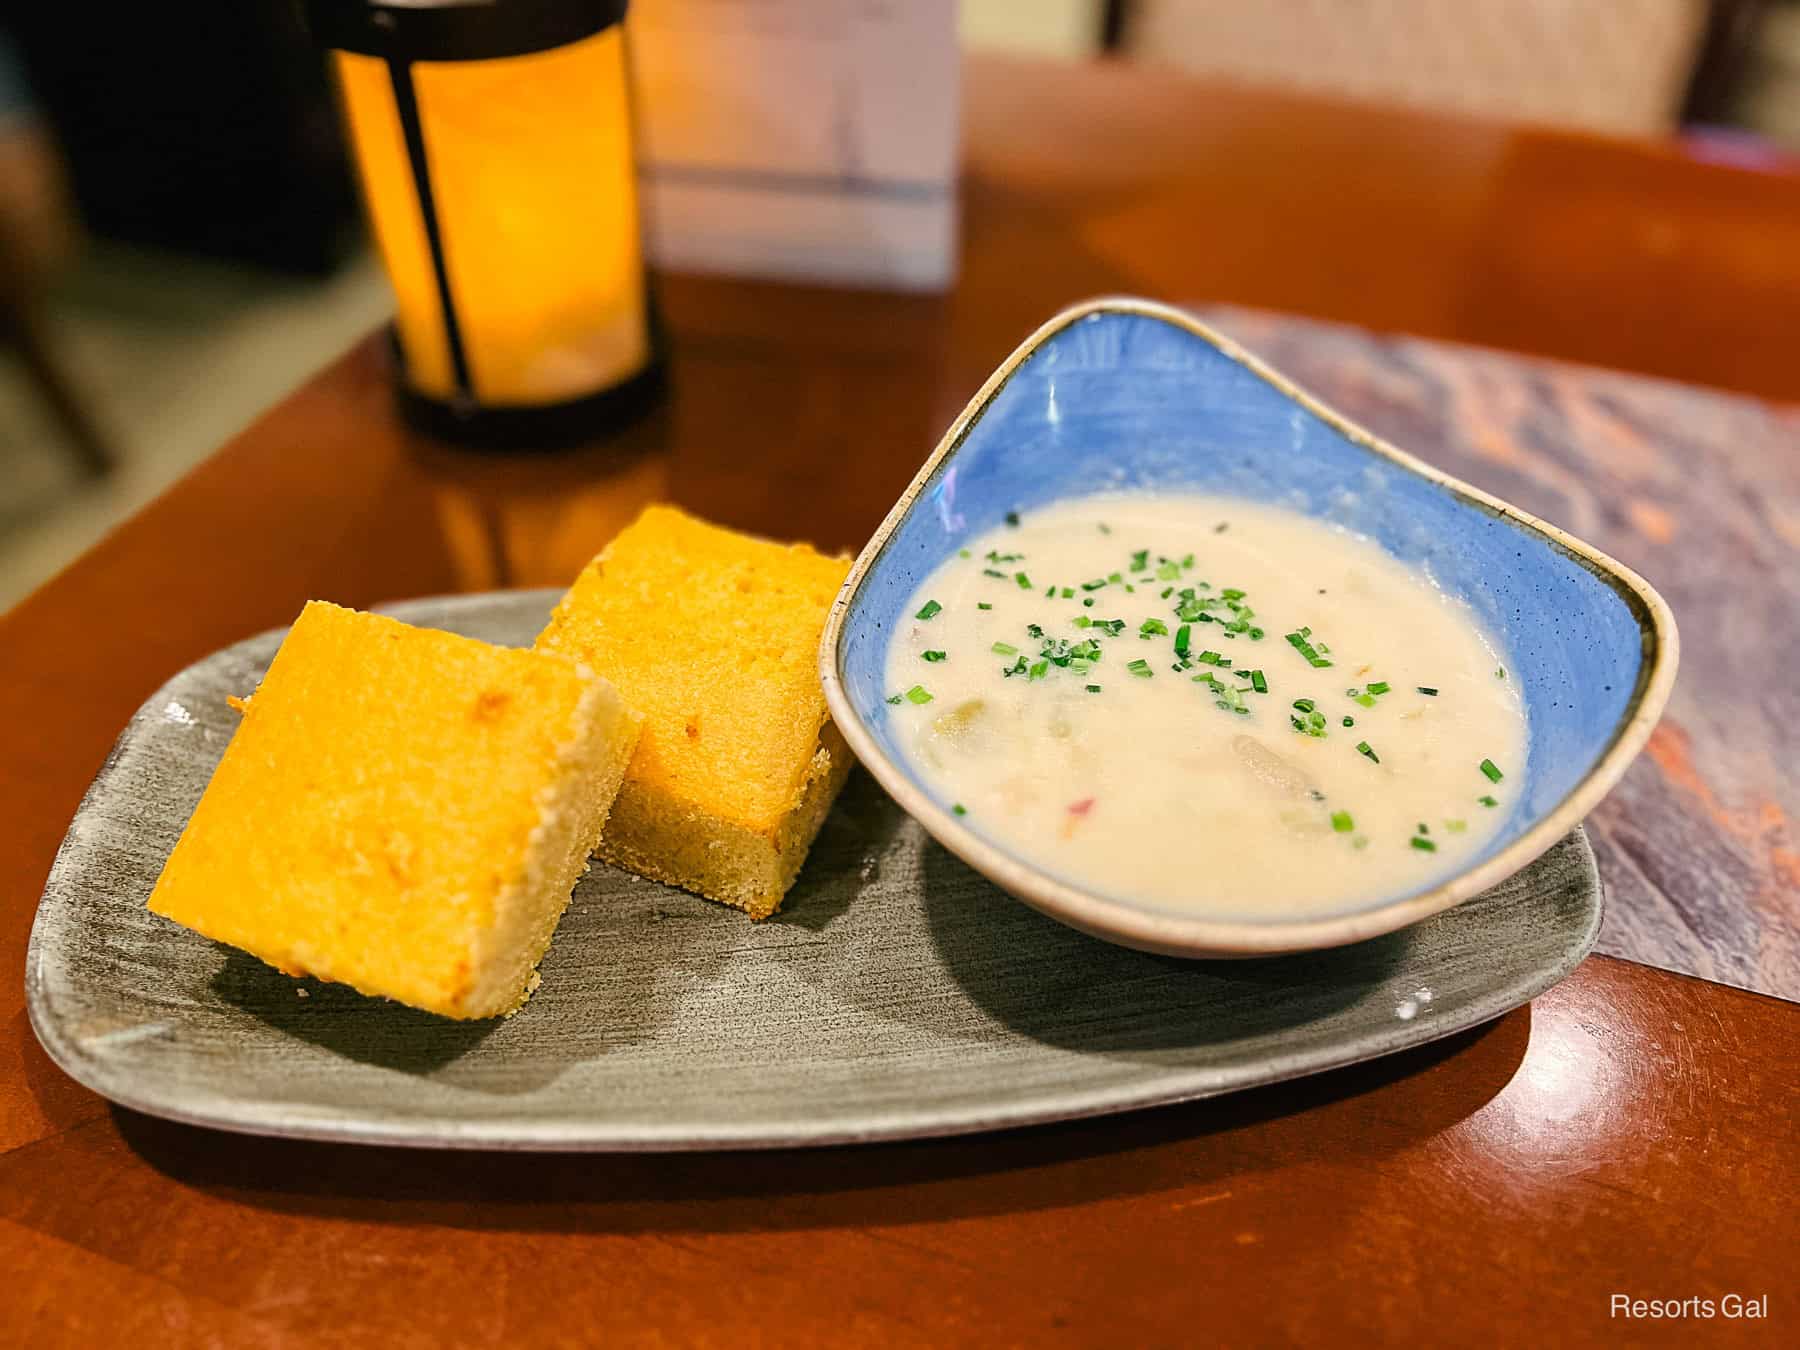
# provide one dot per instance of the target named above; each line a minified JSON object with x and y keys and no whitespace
{"x":802,"y":140}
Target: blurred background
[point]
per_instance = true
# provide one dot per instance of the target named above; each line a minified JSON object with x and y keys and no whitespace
{"x":180,"y":240}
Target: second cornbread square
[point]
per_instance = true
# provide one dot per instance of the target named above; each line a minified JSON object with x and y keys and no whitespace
{"x":713,"y":636}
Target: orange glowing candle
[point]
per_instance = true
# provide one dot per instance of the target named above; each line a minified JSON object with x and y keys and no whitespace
{"x":494,"y":143}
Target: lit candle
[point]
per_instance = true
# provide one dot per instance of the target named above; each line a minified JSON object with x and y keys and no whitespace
{"x":494,"y":144}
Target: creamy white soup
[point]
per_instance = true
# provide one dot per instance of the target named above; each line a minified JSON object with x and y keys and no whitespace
{"x":1207,"y":704}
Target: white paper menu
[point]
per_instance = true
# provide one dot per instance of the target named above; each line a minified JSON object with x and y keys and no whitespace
{"x":802,"y":140}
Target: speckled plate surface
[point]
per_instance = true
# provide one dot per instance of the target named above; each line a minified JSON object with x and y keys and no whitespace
{"x":897,"y":995}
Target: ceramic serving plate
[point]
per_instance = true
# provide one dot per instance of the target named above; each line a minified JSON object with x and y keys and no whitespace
{"x":1125,"y":395}
{"x":898,"y":994}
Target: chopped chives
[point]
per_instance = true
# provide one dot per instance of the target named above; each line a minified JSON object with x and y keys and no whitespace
{"x":1023,"y":580}
{"x":1082,"y":621}
{"x":1349,"y":721}
{"x":1038,"y":670}
{"x":1105,"y":528}
{"x":960,"y":809}
{"x":1488,"y":801}
{"x":1427,"y":691}
{"x":1304,"y":704}
{"x":1258,"y":683}
{"x":982,"y":604}
{"x":895,"y":698}
{"x":1313,"y":724}
{"x":1232,"y":593}
{"x":1362,"y":748}
{"x":1499,"y":672}
{"x":1363,"y":700}
{"x":1181,"y":639}
{"x":1423,"y":845}
{"x":1168,"y":571}
{"x":1213,"y":659}
{"x":1424,"y":828}
{"x":1093,"y":689}
{"x":1153,"y":628}
{"x":990,"y":572}
{"x":918,"y":694}
{"x":1379,"y":687}
{"x":1456,"y":826}
{"x":1341,"y":822}
{"x":962,"y":553}
{"x":1004,"y":649}
{"x":1034,"y":630}
{"x":1050,"y":592}
{"x":1140,"y":560}
{"x":928,"y":609}
{"x":1115,"y":578}
{"x":1094,"y":585}
{"x":1492,"y":771}
{"x":1089,"y":602}
{"x":1068,"y":592}
{"x":1167,"y":591}
{"x":933,"y":656}
{"x":1012,"y":517}
{"x":1314,"y":655}
{"x":1139,"y":668}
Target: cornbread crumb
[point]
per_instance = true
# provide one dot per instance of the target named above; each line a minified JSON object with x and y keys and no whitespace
{"x":713,"y":636}
{"x":402,"y":810}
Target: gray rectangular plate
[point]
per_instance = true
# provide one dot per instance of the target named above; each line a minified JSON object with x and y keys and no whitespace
{"x":897,"y":995}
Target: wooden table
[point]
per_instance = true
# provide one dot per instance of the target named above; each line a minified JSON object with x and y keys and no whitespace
{"x":1630,"y":1133}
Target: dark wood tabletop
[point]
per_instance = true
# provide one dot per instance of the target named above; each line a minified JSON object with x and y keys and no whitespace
{"x":1631,"y":1133}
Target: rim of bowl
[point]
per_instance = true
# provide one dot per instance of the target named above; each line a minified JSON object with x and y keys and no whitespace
{"x":1171,"y":932}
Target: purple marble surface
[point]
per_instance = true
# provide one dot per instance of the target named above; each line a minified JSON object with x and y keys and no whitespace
{"x":1697,"y":490}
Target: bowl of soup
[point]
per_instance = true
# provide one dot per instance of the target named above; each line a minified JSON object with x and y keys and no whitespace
{"x":1178,"y":656}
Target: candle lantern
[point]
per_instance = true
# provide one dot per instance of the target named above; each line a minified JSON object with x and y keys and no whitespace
{"x":494,"y":143}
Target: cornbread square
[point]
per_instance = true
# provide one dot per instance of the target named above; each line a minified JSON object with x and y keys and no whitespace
{"x":713,"y":636}
{"x":402,"y":810}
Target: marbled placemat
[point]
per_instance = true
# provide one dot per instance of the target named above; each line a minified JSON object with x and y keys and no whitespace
{"x":1700,"y":492}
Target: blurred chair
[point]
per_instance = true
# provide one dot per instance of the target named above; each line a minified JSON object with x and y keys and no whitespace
{"x":1064,"y":29}
{"x":36,"y":231}
{"x":204,"y":128}
{"x":1618,"y":66}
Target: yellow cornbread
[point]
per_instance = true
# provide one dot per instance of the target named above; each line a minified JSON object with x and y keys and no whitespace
{"x":713,"y":636}
{"x":402,"y":810}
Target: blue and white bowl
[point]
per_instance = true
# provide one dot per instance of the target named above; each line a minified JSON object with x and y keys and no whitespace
{"x":1122,"y":394}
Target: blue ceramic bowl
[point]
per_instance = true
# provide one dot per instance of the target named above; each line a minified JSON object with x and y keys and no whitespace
{"x":1119,"y":395}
